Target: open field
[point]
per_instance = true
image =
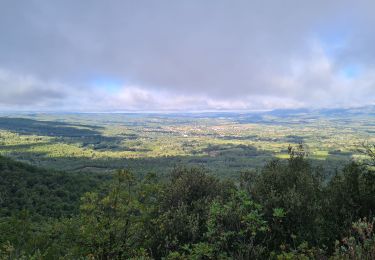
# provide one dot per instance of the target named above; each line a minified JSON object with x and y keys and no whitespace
{"x":225,"y":143}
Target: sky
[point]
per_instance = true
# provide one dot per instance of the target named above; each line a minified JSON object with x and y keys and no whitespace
{"x":186,"y":55}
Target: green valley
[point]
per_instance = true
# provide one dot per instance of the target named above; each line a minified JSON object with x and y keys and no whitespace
{"x":225,"y":143}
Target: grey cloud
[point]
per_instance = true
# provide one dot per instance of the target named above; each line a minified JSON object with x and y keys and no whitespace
{"x":26,"y":90}
{"x":223,"y":50}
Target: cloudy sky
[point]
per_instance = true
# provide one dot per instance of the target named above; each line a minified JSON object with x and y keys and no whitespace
{"x":121,"y":55}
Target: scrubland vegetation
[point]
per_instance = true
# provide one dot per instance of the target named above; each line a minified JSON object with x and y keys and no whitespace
{"x":186,"y":187}
{"x":285,"y":210}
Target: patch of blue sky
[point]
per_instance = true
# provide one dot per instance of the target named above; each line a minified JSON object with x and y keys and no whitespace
{"x":332,"y":43}
{"x":351,"y":71}
{"x":108,"y":84}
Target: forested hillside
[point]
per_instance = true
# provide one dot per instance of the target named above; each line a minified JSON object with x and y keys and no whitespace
{"x":40,"y":192}
{"x":285,"y":210}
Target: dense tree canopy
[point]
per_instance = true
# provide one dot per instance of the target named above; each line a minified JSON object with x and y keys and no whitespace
{"x":285,"y":210}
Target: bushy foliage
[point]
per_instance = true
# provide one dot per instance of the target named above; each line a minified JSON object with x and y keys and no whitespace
{"x":360,"y":244}
{"x":236,"y":229}
{"x":296,"y":187}
{"x":286,"y":210}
